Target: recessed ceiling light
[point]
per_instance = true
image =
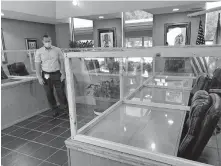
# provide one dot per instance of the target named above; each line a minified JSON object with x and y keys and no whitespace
{"x":174,"y":10}
{"x":101,"y":17}
{"x":170,"y":122}
{"x":75,"y":2}
{"x":2,"y":14}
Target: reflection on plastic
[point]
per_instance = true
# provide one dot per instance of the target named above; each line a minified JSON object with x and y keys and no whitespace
{"x":148,"y":130}
{"x":170,"y":122}
{"x":153,"y":146}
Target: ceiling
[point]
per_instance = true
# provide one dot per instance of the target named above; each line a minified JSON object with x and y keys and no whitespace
{"x":195,"y":6}
{"x":106,"y":16}
{"x":59,"y":11}
{"x":30,"y":17}
{"x":36,"y":11}
{"x":87,"y":8}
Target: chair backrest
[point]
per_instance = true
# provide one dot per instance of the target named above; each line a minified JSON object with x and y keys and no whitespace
{"x":216,"y":79}
{"x":200,"y":105}
{"x":204,"y":116}
{"x":18,"y":69}
{"x":3,"y":75}
{"x":208,"y":126}
{"x":202,"y":83}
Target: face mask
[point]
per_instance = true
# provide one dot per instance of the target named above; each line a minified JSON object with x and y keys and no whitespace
{"x":47,"y":45}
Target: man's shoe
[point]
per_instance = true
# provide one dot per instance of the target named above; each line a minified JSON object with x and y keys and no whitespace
{"x":56,"y":114}
{"x":66,"y":110}
{"x":98,"y":112}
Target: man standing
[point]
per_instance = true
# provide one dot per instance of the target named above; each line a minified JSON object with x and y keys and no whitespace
{"x":50,"y":72}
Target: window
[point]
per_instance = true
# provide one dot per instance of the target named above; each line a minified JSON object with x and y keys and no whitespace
{"x":139,"y":42}
{"x":209,"y":42}
{"x":134,"y":42}
{"x":148,"y":42}
{"x":138,"y":16}
{"x":211,"y":22}
{"x":82,"y":23}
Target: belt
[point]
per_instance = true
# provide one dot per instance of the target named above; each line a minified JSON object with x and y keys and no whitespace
{"x":54,"y":72}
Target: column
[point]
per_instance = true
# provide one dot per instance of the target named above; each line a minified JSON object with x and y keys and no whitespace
{"x":123,"y":43}
{"x":71,"y":28}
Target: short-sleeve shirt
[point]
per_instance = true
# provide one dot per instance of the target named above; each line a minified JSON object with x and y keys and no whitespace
{"x":49,"y":58}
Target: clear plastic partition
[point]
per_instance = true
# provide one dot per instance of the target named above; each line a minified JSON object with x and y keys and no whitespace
{"x":171,"y":82}
{"x":97,"y":86}
{"x":97,"y":80}
{"x":135,"y":71}
{"x":140,"y":95}
{"x":19,"y":63}
{"x":150,"y":128}
{"x":187,"y":66}
{"x":165,"y":89}
{"x":173,"y":66}
{"x":162,"y":75}
{"x":161,"y":95}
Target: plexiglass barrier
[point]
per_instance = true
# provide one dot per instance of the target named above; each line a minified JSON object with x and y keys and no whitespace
{"x":136,"y":98}
{"x":97,"y":80}
{"x":19,"y":62}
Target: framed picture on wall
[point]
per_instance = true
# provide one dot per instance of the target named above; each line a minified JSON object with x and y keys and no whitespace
{"x":31,"y":44}
{"x":4,"y":57}
{"x":107,"y":38}
{"x":177,"y":34}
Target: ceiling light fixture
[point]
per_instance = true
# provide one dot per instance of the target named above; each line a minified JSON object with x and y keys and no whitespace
{"x":75,"y":2}
{"x":125,"y":129}
{"x":176,"y":9}
{"x":210,"y":5}
{"x":170,"y":122}
{"x":101,"y":17}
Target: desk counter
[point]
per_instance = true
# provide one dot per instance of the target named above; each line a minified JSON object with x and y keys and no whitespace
{"x":22,"y":97}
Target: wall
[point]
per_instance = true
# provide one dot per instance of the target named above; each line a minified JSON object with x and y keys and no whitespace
{"x":15,"y":32}
{"x":84,"y":36}
{"x":62,"y":35}
{"x":109,"y":23}
{"x":161,"y":19}
{"x":38,"y":8}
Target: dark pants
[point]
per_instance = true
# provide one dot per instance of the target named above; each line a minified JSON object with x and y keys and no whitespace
{"x":54,"y":81}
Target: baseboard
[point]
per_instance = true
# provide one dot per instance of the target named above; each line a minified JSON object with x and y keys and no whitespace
{"x":24,"y":118}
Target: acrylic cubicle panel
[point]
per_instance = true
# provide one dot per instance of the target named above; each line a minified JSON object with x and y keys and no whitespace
{"x":113,"y":74}
{"x":150,"y":128}
{"x":161,"y":95}
{"x":165,"y":89}
{"x":25,"y":57}
{"x":97,"y":80}
{"x":173,"y":81}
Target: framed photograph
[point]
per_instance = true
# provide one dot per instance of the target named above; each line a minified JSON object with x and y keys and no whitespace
{"x":31,"y":44}
{"x":177,"y":34}
{"x":107,"y":38}
{"x":4,"y":57}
